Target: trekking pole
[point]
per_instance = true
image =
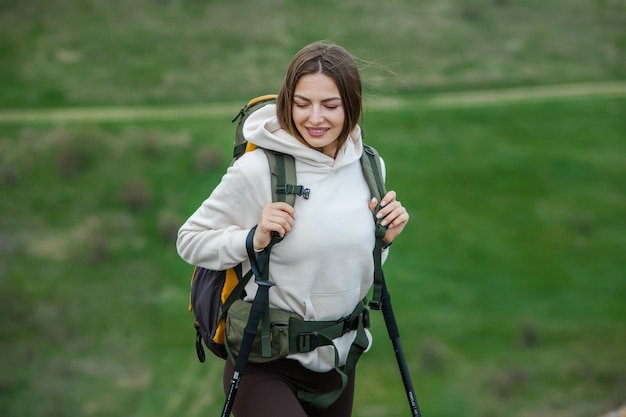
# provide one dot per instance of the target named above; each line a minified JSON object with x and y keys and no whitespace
{"x":249,"y":333}
{"x":257,"y":310}
{"x":394,"y":335}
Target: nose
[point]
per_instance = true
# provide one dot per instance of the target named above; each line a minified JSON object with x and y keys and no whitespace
{"x":316,"y":117}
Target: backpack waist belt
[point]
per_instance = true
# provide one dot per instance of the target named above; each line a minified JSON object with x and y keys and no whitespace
{"x":289,"y":334}
{"x":306,"y":336}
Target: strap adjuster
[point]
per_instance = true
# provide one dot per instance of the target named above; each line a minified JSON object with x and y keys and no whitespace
{"x":294,"y":189}
{"x":307,"y":342}
{"x":351,"y":322}
{"x":366,"y":318}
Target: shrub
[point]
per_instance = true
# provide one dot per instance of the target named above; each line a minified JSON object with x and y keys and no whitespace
{"x":136,"y":195}
{"x":208,"y":158}
{"x":168,"y":225}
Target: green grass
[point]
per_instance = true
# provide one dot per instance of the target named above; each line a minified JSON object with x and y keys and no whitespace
{"x":507,"y":284}
{"x":85,"y":53}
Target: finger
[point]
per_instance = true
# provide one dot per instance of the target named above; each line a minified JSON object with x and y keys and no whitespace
{"x":278,"y":221}
{"x":281,"y":226}
{"x":275,"y":225}
{"x":395,"y":216}
{"x":388,"y":198}
{"x":387,"y":210}
{"x":400,"y":220}
{"x":283,"y":207}
{"x":373,"y":204}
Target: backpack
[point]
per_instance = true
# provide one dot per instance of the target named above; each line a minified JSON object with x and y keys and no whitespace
{"x":214,"y":292}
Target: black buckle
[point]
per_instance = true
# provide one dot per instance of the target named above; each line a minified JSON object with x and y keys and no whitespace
{"x":352,"y":322}
{"x":366,"y":318}
{"x":294,"y":189}
{"x":349,"y":323}
{"x":307,"y":342}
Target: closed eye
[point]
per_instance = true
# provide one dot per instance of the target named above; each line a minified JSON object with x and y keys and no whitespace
{"x":305,"y":105}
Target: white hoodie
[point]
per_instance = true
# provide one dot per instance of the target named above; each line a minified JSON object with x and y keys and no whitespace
{"x":324,"y":266}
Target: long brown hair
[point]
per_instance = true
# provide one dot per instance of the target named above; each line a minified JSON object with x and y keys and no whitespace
{"x":333,"y":61}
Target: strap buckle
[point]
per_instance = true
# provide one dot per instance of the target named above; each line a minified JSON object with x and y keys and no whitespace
{"x":307,"y":342}
{"x":294,"y":189}
{"x":351,"y":322}
{"x":366,"y":318}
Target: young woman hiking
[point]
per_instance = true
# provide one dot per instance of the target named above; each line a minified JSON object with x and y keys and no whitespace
{"x":323,"y":267}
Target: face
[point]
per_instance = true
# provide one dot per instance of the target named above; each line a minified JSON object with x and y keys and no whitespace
{"x":318,"y":112}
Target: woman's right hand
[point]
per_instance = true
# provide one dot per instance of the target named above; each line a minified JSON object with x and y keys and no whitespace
{"x":275,"y":217}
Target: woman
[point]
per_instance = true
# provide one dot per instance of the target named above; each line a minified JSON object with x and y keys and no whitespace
{"x":323,"y":267}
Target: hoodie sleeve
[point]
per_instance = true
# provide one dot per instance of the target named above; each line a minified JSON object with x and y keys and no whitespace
{"x":214,"y":236}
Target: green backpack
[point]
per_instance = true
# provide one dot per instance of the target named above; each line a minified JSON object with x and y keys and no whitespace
{"x":216,"y":293}
{"x":213,"y":292}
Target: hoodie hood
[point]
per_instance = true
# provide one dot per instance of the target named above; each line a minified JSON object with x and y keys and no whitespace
{"x":262,"y":129}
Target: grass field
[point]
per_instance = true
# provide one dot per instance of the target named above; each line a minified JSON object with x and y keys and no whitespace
{"x":508,"y":282}
{"x":69,"y":52}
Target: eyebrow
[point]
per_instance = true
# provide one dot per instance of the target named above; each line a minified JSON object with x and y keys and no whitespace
{"x":323,"y":101}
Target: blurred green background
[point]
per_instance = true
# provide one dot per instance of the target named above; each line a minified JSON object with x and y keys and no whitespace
{"x":502,"y":125}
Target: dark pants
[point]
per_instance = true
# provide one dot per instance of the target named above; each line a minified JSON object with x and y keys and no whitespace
{"x":269,"y":390}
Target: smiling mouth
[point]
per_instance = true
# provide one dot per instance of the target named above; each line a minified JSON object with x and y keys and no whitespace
{"x":317,"y":132}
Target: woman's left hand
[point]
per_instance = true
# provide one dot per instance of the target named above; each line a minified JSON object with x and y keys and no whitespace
{"x":391,"y":214}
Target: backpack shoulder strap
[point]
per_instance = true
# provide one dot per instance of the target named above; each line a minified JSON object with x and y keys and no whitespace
{"x":372,"y":171}
{"x":283,"y":177}
{"x":241,"y":145}
{"x":282,"y":166}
